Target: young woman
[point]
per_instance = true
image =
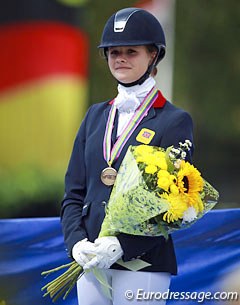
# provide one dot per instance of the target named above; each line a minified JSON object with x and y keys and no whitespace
{"x":133,"y":43}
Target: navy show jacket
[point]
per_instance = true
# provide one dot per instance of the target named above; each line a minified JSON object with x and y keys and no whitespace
{"x":83,"y":205}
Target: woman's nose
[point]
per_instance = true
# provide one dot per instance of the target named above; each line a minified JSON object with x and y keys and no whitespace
{"x":121,"y":58}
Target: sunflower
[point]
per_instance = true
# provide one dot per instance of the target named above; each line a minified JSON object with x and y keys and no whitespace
{"x":190,"y":183}
{"x":177,"y":206}
{"x":197,"y":203}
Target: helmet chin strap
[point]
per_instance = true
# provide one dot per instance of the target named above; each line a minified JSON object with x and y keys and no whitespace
{"x":139,"y":81}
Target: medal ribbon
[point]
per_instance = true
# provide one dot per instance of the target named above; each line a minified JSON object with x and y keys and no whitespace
{"x":112,"y":154}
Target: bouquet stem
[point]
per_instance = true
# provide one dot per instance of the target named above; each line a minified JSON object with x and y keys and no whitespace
{"x":64,"y":283}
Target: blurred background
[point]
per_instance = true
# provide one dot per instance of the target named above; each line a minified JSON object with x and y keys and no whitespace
{"x":51,"y":72}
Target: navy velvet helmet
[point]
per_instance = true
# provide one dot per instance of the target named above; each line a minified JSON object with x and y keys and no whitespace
{"x":132,"y":27}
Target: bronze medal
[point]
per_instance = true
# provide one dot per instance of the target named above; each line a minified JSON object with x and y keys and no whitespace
{"x":108,"y":176}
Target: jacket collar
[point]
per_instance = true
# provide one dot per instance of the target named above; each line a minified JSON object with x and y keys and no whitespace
{"x":159,"y":103}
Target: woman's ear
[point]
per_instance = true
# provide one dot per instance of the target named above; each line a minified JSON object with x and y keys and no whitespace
{"x":154,"y":71}
{"x":153,"y":55}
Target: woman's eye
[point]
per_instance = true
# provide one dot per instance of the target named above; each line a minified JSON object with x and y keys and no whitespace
{"x":114,"y":53}
{"x":131,"y":51}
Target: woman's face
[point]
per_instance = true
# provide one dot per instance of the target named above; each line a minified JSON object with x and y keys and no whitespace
{"x":128,"y":63}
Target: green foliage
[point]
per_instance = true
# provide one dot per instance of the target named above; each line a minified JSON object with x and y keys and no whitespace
{"x":73,"y":2}
{"x":29,"y":191}
{"x":207,"y":62}
{"x":206,"y":82}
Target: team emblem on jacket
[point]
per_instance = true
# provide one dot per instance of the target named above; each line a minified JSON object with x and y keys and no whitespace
{"x":145,"y":136}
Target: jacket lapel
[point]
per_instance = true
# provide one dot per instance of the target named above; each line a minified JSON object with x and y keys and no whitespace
{"x":114,"y":132}
{"x":106,"y":111}
{"x":151,"y":114}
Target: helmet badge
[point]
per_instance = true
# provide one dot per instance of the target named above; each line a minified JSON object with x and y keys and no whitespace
{"x":121,"y":19}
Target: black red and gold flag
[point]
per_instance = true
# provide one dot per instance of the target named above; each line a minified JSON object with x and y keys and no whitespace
{"x":43,"y":81}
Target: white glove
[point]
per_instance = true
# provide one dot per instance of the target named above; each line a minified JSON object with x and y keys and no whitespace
{"x":83,"y":251}
{"x":108,"y":250}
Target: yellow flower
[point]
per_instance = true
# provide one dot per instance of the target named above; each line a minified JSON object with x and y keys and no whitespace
{"x":197,"y":203}
{"x":162,"y":164}
{"x":177,"y":206}
{"x":163,"y":183}
{"x":159,"y":158}
{"x":164,"y":179}
{"x":143,"y":149}
{"x":150,"y":169}
{"x":173,"y":179}
{"x":153,"y":160}
{"x":148,"y":159}
{"x":190,"y":184}
{"x":160,"y":154}
{"x":144,"y":154}
{"x":140,"y":159}
{"x":163,"y":173}
{"x":174,"y":189}
{"x":189,"y":180}
{"x":148,"y":155}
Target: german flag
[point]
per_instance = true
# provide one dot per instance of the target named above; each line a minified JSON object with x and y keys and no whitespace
{"x":43,"y":81}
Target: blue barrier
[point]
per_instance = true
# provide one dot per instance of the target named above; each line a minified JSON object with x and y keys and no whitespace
{"x":206,"y":253}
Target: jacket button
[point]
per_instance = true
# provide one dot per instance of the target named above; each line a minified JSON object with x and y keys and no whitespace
{"x":104,"y":203}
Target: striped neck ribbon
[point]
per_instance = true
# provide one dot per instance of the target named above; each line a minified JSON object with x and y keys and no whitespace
{"x":111,"y":154}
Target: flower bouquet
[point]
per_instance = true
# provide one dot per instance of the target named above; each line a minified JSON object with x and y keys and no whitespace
{"x":155,"y":193}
